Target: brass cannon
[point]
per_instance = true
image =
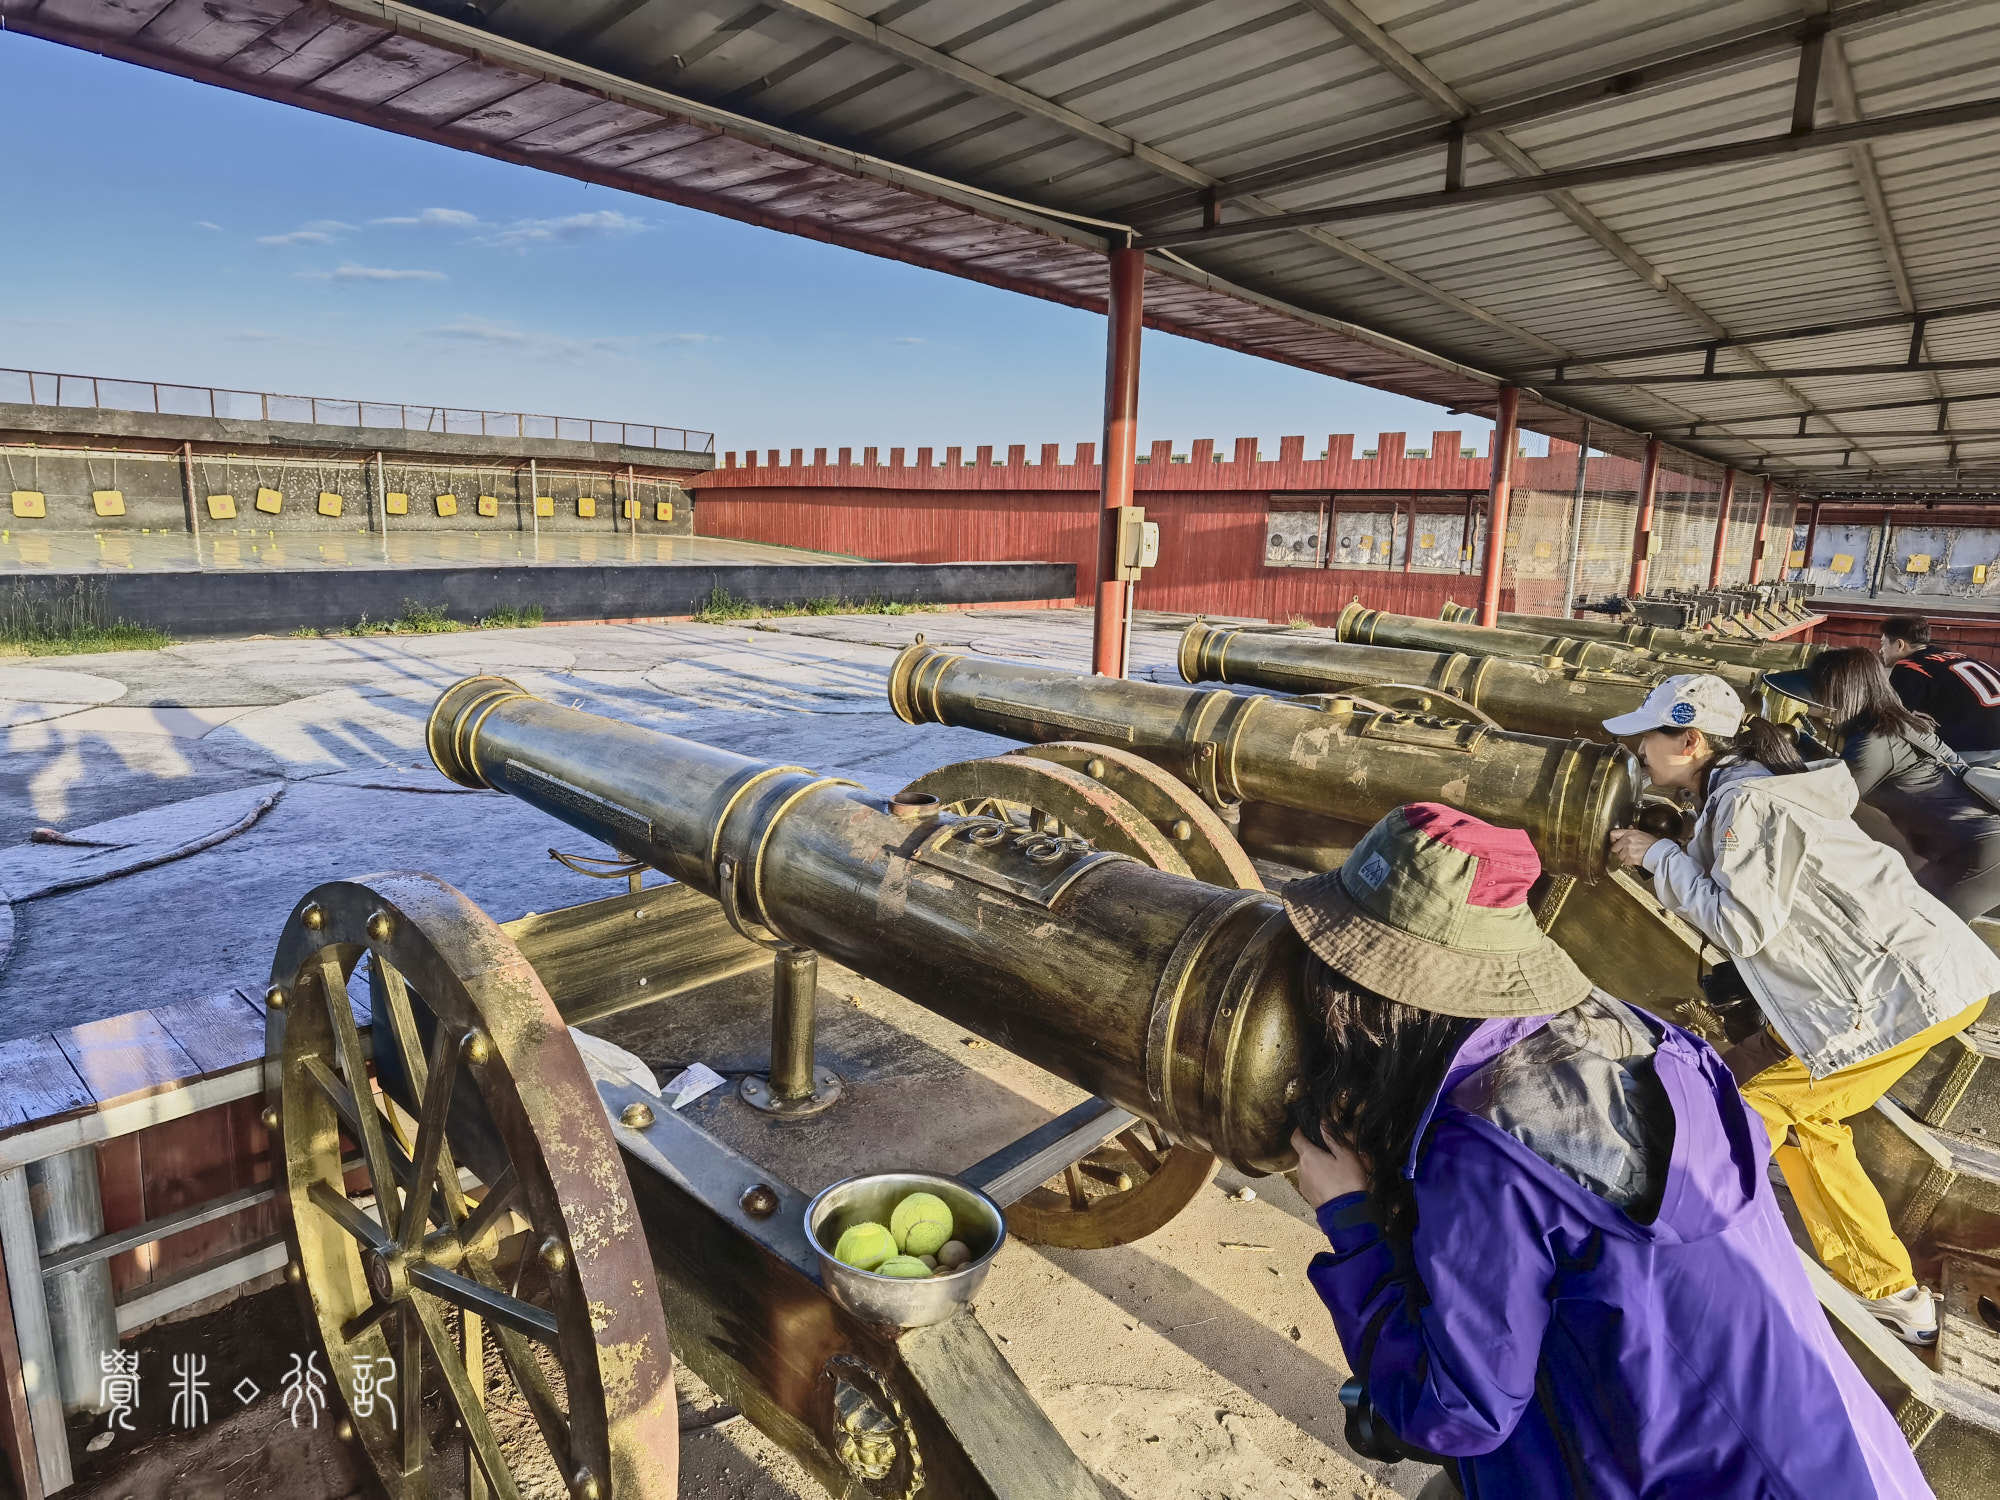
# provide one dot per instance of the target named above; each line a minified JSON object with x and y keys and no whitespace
{"x":1534,"y":697}
{"x":1765,"y":656}
{"x":1330,"y":760}
{"x":516,"y":1206}
{"x":1375,"y":627}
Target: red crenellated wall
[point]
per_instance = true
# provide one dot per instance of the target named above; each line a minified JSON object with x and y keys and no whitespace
{"x":1212,"y":514}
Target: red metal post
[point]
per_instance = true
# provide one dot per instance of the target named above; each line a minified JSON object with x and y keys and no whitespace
{"x":1124,"y":312}
{"x":1642,"y":531}
{"x":1812,"y":536}
{"x":1506,"y":438}
{"x":1722,"y":528}
{"x":1763,"y":535}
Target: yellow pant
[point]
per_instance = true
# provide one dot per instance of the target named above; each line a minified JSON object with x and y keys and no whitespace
{"x":1843,"y":1212}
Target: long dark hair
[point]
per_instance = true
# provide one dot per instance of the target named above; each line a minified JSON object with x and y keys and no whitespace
{"x":1372,"y":1068}
{"x":1859,"y":698}
{"x":1775,"y":747}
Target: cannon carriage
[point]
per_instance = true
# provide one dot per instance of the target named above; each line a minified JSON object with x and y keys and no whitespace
{"x":511,"y":1215}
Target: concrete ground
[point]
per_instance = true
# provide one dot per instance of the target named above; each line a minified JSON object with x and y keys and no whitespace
{"x":210,"y":785}
{"x":169,"y":551}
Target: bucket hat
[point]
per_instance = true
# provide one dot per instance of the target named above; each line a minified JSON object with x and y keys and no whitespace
{"x":1431,"y":909}
{"x":1690,"y":700}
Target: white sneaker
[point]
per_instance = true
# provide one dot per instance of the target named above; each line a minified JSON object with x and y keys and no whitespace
{"x":1910,"y":1314}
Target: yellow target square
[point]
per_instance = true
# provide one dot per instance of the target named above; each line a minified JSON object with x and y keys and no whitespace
{"x":1842,"y":562}
{"x":1426,"y":541}
{"x":30,"y":504}
{"x":1979,"y":572}
{"x":447,"y":505}
{"x":270,"y":502}
{"x":1920,"y":562}
{"x":489,"y":505}
{"x":1797,"y":558}
{"x":329,"y":503}
{"x":663,"y":510}
{"x":108,"y":502}
{"x":586,"y":506}
{"x":1543,"y":549}
{"x":545,"y":505}
{"x":222,"y":507}
{"x":631,"y":510}
{"x":396,"y":504}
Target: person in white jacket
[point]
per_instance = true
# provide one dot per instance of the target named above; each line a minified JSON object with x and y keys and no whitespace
{"x":1858,"y":971}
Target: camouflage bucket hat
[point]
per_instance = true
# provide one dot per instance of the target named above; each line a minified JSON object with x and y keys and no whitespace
{"x":1431,"y":909}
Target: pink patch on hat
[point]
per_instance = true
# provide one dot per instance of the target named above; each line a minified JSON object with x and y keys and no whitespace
{"x":1506,"y":860}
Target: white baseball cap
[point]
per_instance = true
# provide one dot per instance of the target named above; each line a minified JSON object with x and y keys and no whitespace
{"x":1692,"y":700}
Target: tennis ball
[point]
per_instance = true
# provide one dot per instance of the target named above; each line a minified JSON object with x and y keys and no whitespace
{"x":952,"y":1254}
{"x":903,"y":1267}
{"x":921,"y":1223}
{"x":864,"y":1246}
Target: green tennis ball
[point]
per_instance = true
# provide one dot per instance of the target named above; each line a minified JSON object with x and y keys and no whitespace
{"x":865,"y":1246}
{"x":921,"y":1223}
{"x":903,"y":1267}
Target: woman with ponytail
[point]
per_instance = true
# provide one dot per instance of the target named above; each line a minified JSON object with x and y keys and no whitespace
{"x":1858,"y":970}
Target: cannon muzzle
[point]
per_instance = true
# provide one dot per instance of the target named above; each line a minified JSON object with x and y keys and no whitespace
{"x":1169,"y":997}
{"x":1337,"y":759}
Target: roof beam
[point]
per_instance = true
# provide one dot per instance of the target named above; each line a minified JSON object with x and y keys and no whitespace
{"x":1787,"y":335}
{"x":1833,"y":411}
{"x":1847,"y":109}
{"x":860,"y":29}
{"x":1620,"y":83}
{"x":1597,"y":174}
{"x":1811,"y":372}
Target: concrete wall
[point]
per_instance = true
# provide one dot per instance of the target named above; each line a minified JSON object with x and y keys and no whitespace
{"x":154,"y":489}
{"x":250,"y":603}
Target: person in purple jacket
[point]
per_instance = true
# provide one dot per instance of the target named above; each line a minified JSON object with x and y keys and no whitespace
{"x":1557,"y":1266}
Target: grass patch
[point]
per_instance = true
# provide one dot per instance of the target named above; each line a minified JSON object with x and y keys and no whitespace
{"x":724,"y":608}
{"x":36,"y":620}
{"x":427,"y":619}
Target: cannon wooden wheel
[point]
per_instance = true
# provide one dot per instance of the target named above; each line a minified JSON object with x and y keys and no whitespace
{"x":1136,"y":1183}
{"x":404,"y":1272}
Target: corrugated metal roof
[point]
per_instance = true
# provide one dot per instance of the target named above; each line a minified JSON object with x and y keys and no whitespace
{"x":1002,"y":139}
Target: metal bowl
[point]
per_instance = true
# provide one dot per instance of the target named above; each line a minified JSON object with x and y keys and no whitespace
{"x":888,"y":1299}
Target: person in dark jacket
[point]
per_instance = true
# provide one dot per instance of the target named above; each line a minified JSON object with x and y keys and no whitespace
{"x":1959,"y":692}
{"x":1556,"y":1262}
{"x":1902,"y":766}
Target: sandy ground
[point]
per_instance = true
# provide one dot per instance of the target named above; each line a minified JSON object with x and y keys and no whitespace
{"x":1193,"y":1365}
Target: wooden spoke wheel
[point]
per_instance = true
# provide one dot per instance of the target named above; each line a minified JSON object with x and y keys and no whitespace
{"x":1118,"y":801}
{"x":406,"y":1269}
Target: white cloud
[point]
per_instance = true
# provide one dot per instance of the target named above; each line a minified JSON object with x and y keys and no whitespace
{"x":691,"y":338}
{"x":548,"y":346}
{"x":254,"y":336}
{"x":313,"y":232}
{"x":606,"y":222}
{"x":909,"y":341}
{"x":207,"y":224}
{"x":352,"y":272}
{"x":435,"y":218}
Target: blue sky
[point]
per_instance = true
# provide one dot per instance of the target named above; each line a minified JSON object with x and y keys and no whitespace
{"x":167,"y":230}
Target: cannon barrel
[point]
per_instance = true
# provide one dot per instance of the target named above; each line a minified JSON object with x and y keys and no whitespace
{"x":1337,"y":759}
{"x":1531,"y":697}
{"x":1765,"y":656}
{"x":1375,"y":627}
{"x":1167,"y":996}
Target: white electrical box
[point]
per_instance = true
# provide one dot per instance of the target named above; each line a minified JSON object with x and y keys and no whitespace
{"x":1138,"y":542}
